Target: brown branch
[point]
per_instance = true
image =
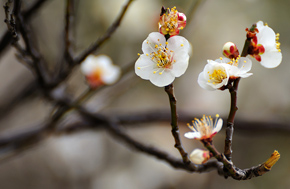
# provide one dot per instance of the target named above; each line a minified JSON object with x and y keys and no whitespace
{"x":142,"y":118}
{"x":230,"y":170}
{"x":174,"y":126}
{"x":38,"y":62}
{"x":96,"y":45}
{"x":230,"y":122}
{"x":68,"y":30}
{"x":27,"y":14}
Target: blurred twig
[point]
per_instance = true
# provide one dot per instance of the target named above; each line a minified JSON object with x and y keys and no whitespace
{"x":27,"y":14}
{"x":95,"y":46}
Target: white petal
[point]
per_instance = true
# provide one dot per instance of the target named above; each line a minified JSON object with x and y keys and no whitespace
{"x":245,"y":75}
{"x":148,"y":45}
{"x":197,"y":156}
{"x":192,"y":135}
{"x":92,"y":63}
{"x":162,"y":80}
{"x":271,"y":59}
{"x":218,"y":126}
{"x":266,"y":36}
{"x":112,"y":75}
{"x":181,"y":64}
{"x":245,"y":64}
{"x":224,"y":60}
{"x":178,"y":43}
{"x":144,"y":67}
{"x":203,"y":82}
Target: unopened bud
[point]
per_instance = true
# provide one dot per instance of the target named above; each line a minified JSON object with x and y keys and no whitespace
{"x":230,"y":50}
{"x":272,"y":160}
{"x":199,"y":156}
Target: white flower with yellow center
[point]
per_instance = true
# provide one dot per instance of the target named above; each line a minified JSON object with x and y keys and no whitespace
{"x":214,"y":76}
{"x":239,"y":67}
{"x":204,"y":128}
{"x":162,"y":60}
{"x":217,"y":73}
{"x":99,"y":70}
{"x":199,"y":156}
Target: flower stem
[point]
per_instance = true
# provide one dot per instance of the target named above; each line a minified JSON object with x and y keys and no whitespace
{"x":230,"y":123}
{"x":169,"y":89}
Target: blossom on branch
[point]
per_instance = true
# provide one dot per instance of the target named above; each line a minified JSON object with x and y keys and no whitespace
{"x":204,"y":128}
{"x":199,"y":156}
{"x":162,"y":60}
{"x":214,"y":76}
{"x":265,"y":46}
{"x":99,"y":70}
{"x":171,"y":22}
{"x":238,"y":67}
{"x":218,"y":73}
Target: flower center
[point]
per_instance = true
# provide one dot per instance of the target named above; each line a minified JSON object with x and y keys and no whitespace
{"x":162,"y":56}
{"x":217,"y":76}
{"x":95,"y":79}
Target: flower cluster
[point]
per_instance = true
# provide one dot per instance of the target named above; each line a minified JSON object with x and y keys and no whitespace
{"x":263,"y":46}
{"x":99,"y":70}
{"x":165,"y":55}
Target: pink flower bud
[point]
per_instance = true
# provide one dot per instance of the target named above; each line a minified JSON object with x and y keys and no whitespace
{"x":230,"y":50}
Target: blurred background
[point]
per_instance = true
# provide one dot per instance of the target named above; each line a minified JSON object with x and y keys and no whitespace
{"x":92,"y":158}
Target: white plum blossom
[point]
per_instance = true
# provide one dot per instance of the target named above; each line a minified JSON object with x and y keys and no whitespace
{"x":99,"y":70}
{"x":214,"y":76}
{"x":265,"y":46}
{"x":205,"y":128}
{"x":217,"y":73}
{"x":239,"y":67}
{"x":199,"y":156}
{"x":162,"y":60}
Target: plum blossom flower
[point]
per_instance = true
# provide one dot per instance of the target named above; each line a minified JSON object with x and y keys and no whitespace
{"x":162,"y":60}
{"x":265,"y":46}
{"x":214,"y":76}
{"x":99,"y":70}
{"x":220,"y":72}
{"x":199,"y":156}
{"x":171,"y":22}
{"x":204,"y":128}
{"x":238,"y":67}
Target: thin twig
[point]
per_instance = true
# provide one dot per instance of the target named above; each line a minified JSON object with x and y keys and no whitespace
{"x":96,"y":45}
{"x":38,"y":62}
{"x":7,"y":36}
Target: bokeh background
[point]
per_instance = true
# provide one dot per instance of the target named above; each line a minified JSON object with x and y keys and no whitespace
{"x":94,"y":159}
